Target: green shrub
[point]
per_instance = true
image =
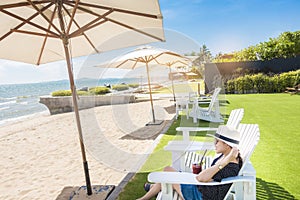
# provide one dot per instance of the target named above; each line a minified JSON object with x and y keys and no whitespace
{"x":120,"y":87}
{"x":230,"y":87}
{"x":261,"y":83}
{"x":62,"y":93}
{"x":83,"y":93}
{"x":133,"y":85}
{"x":68,"y":93}
{"x":100,"y":90}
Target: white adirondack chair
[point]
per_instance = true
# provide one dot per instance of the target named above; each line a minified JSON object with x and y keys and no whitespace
{"x":211,"y":113}
{"x":244,"y":185}
{"x":182,"y":159}
{"x":182,"y":104}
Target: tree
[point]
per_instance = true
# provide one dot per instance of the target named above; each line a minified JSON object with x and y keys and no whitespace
{"x":204,"y":55}
{"x":286,"y":45}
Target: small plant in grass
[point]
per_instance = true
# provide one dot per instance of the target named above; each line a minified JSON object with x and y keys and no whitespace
{"x":120,"y":87}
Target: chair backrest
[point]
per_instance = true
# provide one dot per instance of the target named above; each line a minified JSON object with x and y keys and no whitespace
{"x":214,"y":98}
{"x":249,"y":139}
{"x":192,"y":96}
{"x":181,"y":103}
{"x":235,"y":118}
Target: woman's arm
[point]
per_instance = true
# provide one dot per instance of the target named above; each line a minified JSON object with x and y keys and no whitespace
{"x":207,"y":174}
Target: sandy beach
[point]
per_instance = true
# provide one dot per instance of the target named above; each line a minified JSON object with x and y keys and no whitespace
{"x":40,"y":156}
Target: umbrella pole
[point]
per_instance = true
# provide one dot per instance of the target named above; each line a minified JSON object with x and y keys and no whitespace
{"x":76,"y":110}
{"x":150,"y":92}
{"x":172,"y":86}
{"x":65,"y":40}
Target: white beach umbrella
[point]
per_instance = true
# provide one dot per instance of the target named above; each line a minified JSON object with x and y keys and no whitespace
{"x":42,"y":31}
{"x":144,"y":57}
{"x":177,"y":63}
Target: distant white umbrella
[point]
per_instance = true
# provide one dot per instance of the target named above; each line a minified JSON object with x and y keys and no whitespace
{"x":177,"y":63}
{"x":42,"y":31}
{"x":146,"y":56}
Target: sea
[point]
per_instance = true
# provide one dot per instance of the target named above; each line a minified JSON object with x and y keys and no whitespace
{"x":19,"y":101}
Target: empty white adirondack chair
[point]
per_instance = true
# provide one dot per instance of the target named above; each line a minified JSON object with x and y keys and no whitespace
{"x":244,"y":185}
{"x":211,"y":113}
{"x":182,"y":104}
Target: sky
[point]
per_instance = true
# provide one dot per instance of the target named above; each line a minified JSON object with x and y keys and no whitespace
{"x":222,"y":25}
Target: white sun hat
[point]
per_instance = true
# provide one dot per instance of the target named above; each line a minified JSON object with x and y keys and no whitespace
{"x":228,"y":135}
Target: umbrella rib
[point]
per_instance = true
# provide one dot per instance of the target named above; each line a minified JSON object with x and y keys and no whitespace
{"x":92,"y":23}
{"x":86,"y":27}
{"x":121,"y":64}
{"x":44,"y":16}
{"x":17,"y":5}
{"x":134,"y":29}
{"x":33,"y":33}
{"x":122,"y":10}
{"x":136,"y":62}
{"x":113,"y":21}
{"x":86,"y":37}
{"x":45,"y":39}
{"x":29,"y":22}
{"x":23,"y":23}
{"x":72,"y":16}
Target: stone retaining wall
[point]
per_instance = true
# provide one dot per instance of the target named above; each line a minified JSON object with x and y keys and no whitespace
{"x":58,"y":105}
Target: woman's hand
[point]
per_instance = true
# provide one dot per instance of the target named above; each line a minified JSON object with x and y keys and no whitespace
{"x":233,"y":154}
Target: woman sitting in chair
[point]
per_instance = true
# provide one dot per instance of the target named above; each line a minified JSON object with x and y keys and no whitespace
{"x":228,"y":164}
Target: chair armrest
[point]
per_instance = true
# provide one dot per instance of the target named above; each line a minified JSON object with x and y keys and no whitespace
{"x":190,"y":178}
{"x":198,"y":129}
{"x":183,"y":146}
{"x":186,"y":131}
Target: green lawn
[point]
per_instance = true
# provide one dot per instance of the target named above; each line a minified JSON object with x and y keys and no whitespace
{"x":275,"y":159}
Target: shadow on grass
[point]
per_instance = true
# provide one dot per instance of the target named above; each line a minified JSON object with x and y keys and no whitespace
{"x":268,"y":190}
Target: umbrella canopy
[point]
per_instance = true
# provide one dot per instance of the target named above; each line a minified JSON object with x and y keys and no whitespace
{"x":145,"y":56}
{"x":42,"y":31}
{"x":87,"y":24}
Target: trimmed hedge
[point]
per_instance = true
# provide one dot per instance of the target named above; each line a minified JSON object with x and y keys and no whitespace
{"x":99,"y":90}
{"x":261,"y":83}
{"x":67,"y":93}
{"x":91,"y":91}
{"x":133,"y":85}
{"x":61,"y":93}
{"x":120,"y":87}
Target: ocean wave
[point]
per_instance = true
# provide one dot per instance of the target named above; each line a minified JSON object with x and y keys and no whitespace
{"x":18,"y":98}
{"x":8,"y":98}
{"x":23,"y":118}
{"x":5,"y":108}
{"x":7,"y":103}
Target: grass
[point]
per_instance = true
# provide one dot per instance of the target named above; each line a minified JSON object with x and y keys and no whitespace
{"x":275,"y":159}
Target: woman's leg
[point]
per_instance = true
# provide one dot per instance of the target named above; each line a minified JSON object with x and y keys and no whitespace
{"x":156,"y":188}
{"x":176,"y":187}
